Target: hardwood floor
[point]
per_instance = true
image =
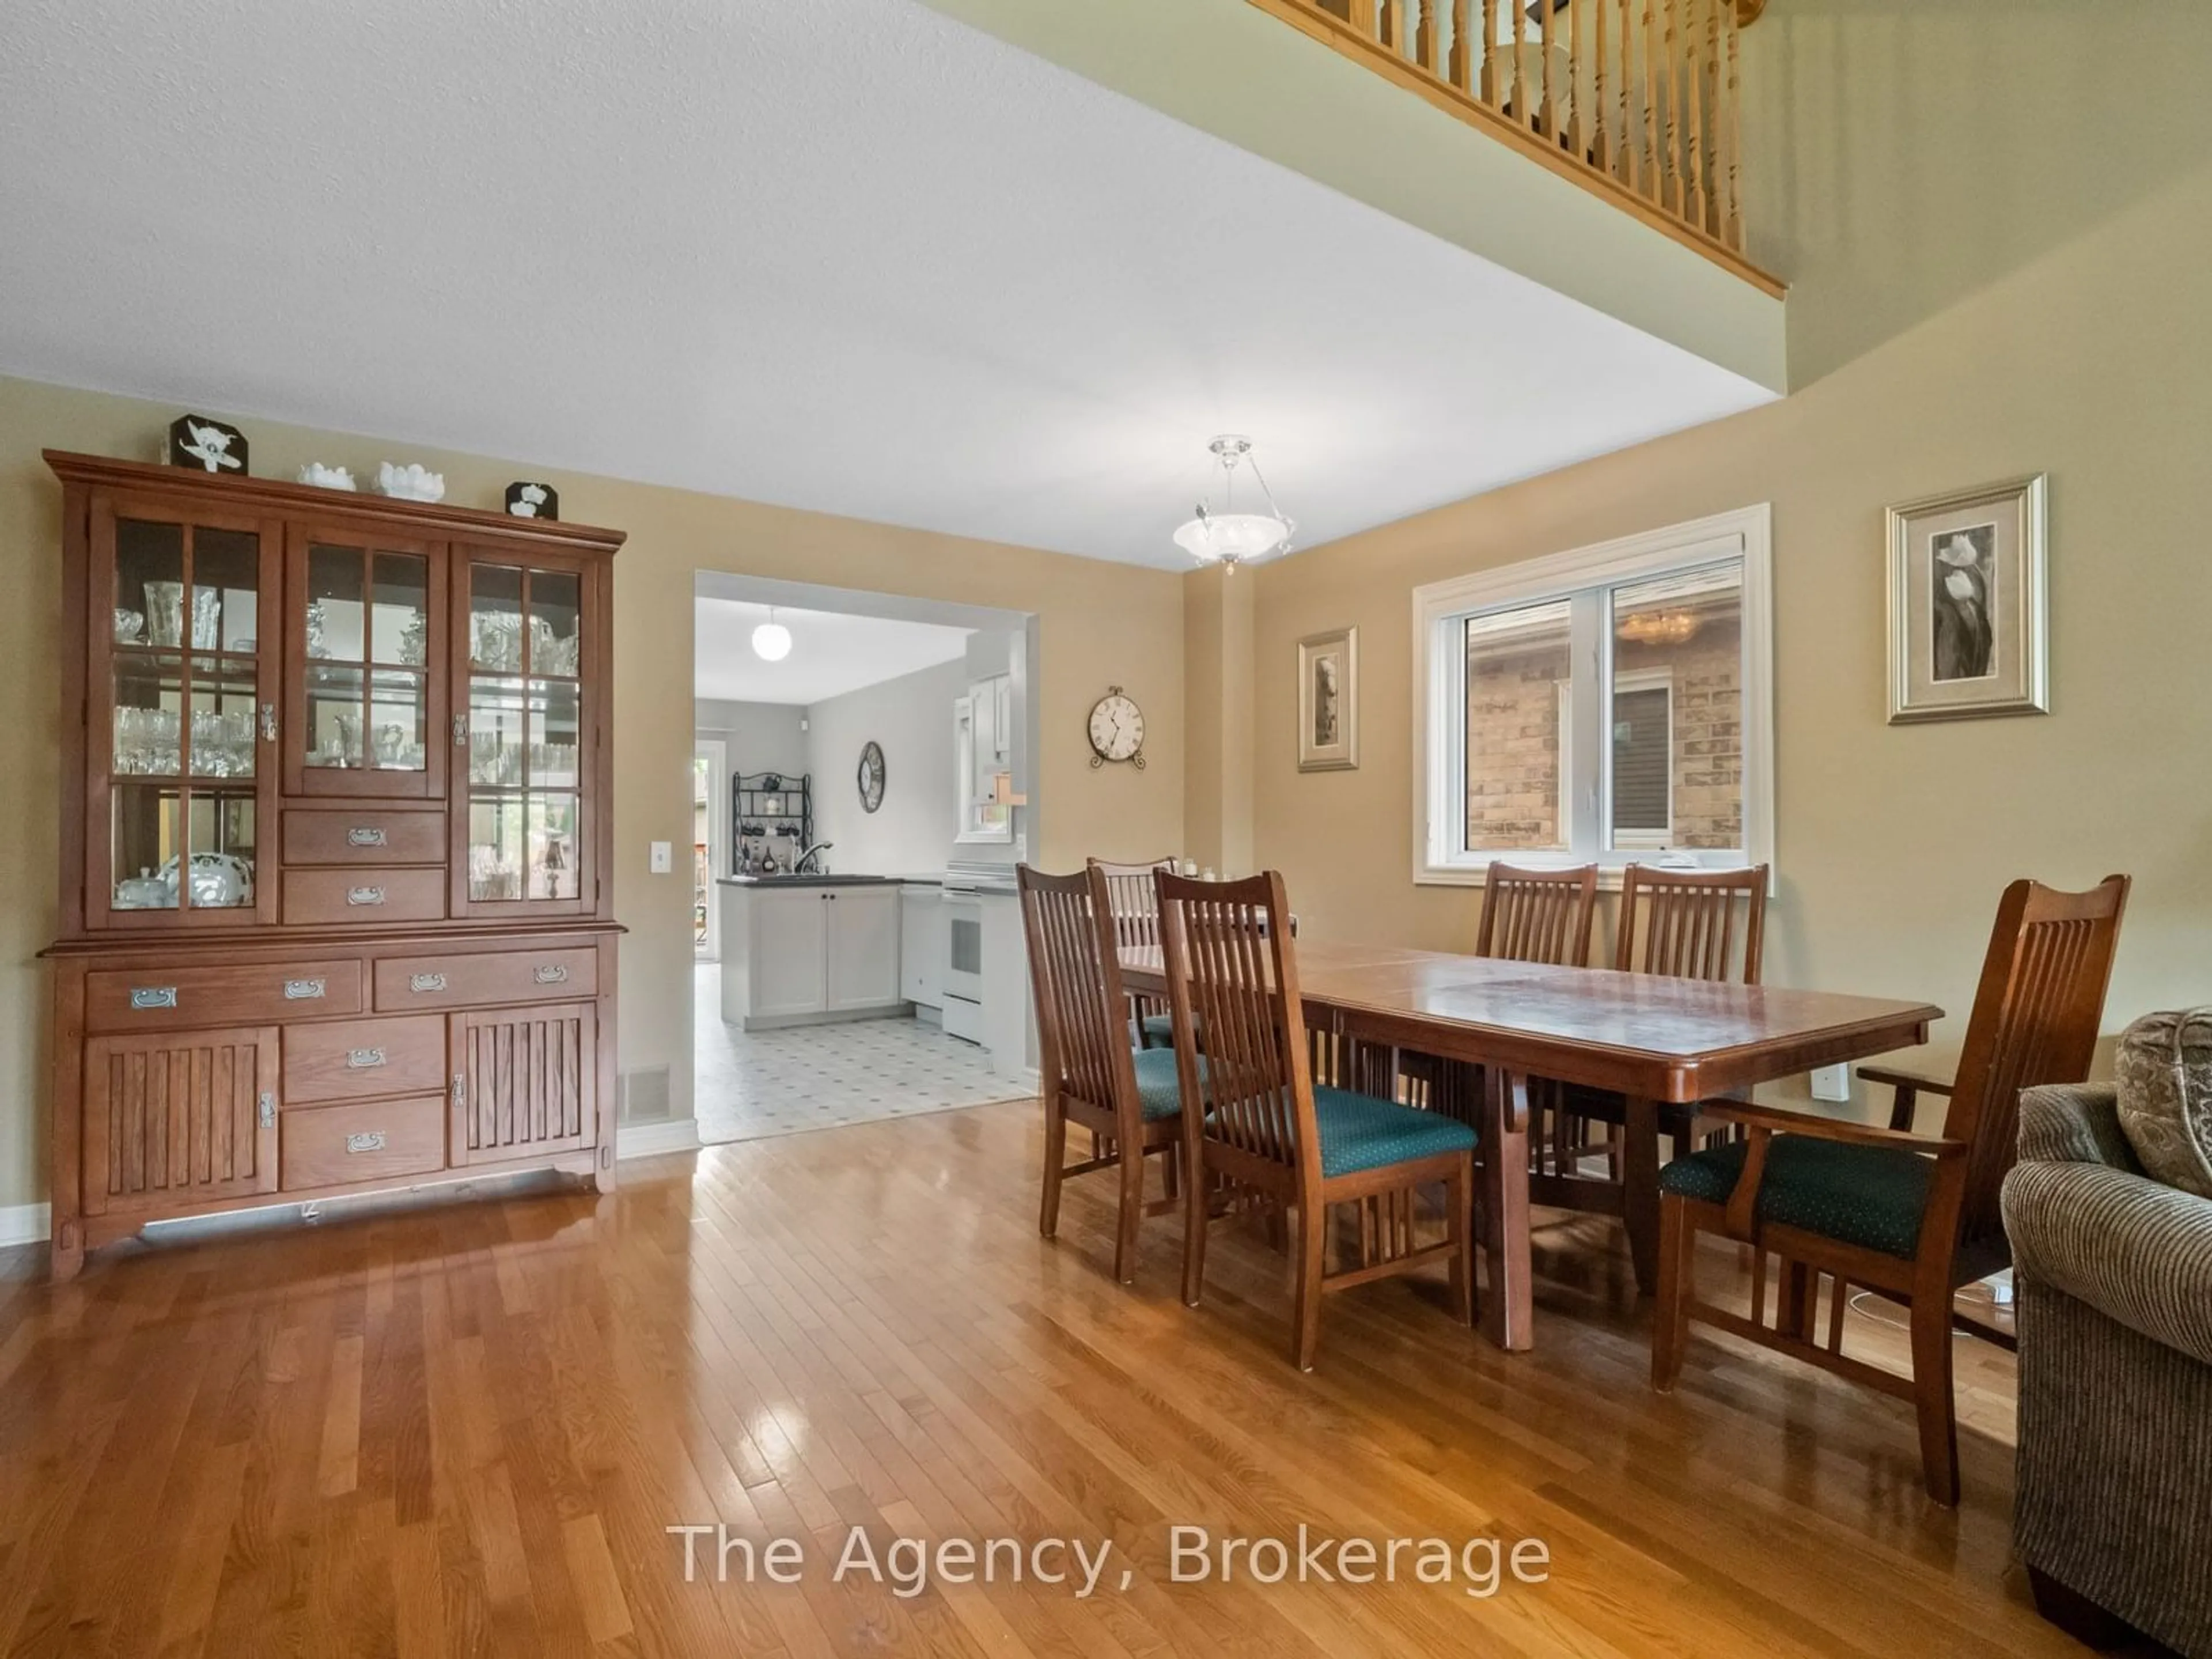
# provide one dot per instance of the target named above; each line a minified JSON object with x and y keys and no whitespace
{"x":467,"y":1428}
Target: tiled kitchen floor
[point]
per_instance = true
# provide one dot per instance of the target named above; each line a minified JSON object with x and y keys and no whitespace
{"x":750,"y":1085}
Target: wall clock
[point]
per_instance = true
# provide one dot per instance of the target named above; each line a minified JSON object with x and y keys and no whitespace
{"x":1118,"y":729}
{"x":871,"y":776}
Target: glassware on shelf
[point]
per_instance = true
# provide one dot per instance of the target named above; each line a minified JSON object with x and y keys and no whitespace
{"x":222,"y":743}
{"x":552,"y":652}
{"x":144,"y":891}
{"x":165,"y":613}
{"x":146,"y":741}
{"x":318,"y":629}
{"x":129,"y":624}
{"x":496,"y":641}
{"x":207,"y":618}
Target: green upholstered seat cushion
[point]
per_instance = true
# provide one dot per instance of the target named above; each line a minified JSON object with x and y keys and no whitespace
{"x":1871,"y":1196}
{"x":1159,"y":1092}
{"x":1159,"y":1030}
{"x":1358,"y":1132}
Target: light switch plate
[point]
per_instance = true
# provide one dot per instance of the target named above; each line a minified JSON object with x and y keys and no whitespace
{"x":664,"y":857}
{"x":1832,"y":1083}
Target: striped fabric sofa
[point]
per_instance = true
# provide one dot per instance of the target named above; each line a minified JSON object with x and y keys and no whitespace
{"x":2113,"y":1510}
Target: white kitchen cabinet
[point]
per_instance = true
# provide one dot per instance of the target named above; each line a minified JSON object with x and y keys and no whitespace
{"x":922,"y":946}
{"x":802,"y":954}
{"x":862,"y":970}
{"x":788,"y":950}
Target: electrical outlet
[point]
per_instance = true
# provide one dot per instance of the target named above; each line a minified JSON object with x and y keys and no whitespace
{"x":664,"y":857}
{"x":1832,"y":1083}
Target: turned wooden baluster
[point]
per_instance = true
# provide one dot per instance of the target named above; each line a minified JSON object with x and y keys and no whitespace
{"x":1459,"y":68}
{"x":1360,"y":14}
{"x":1576,"y":141}
{"x":1520,"y":64}
{"x":1650,"y":180}
{"x":1732,"y":223}
{"x":1425,"y":36}
{"x":1548,"y":119}
{"x":1392,"y":27}
{"x":1670,"y":192}
{"x":1600,"y":140}
{"x":1700,"y":136}
{"x":1489,"y":51}
{"x":1623,"y":137}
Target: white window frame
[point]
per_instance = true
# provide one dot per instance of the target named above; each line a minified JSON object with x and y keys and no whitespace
{"x":1439,"y":693}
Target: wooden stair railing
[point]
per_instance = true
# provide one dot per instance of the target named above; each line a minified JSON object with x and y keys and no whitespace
{"x":1636,"y":98}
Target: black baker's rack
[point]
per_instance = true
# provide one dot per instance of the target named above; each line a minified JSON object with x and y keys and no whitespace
{"x":751,"y":794}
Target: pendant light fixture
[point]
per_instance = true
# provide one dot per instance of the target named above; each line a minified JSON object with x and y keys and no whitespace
{"x":1222,"y":535}
{"x":771,"y":640}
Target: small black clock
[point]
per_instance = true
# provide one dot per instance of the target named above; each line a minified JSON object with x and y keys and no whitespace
{"x":871,"y":776}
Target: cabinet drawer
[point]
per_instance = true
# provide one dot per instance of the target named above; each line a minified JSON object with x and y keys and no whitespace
{"x":334,"y":1145}
{"x":349,"y":1060}
{"x":364,"y":896}
{"x":364,"y":836}
{"x":485,"y":977}
{"x":165,"y":999}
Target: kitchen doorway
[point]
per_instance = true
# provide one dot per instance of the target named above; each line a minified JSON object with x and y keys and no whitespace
{"x":863,"y":789}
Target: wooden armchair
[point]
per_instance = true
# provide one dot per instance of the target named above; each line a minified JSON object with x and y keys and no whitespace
{"x":1130,"y":1100}
{"x":1912,"y":1216}
{"x":1131,"y":890}
{"x":1231,"y":969}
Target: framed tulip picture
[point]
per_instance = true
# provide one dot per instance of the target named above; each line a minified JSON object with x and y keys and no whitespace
{"x":1968,"y":632}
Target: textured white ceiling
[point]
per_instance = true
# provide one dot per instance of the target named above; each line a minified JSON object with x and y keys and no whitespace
{"x":831,"y":652}
{"x":852,"y":257}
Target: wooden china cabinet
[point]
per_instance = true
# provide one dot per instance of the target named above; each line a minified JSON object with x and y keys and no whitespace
{"x":336,"y":877}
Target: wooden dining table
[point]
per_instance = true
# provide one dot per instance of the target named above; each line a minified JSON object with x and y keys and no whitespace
{"x":1652,"y":1040}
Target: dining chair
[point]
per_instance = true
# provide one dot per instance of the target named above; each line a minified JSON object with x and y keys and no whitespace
{"x":1231,"y":971}
{"x":1528,"y":914}
{"x":1680,"y":923}
{"x":1544,"y":916}
{"x":1136,"y":910}
{"x":1911,"y":1217}
{"x":1537,"y":915}
{"x":1129,"y":1099}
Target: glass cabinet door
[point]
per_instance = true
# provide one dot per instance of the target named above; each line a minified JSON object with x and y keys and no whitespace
{"x":183,"y":716}
{"x":364,"y":703}
{"x":522,"y":639}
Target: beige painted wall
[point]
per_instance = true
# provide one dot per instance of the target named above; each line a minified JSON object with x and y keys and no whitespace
{"x":1099,"y":623}
{"x":1944,"y":342}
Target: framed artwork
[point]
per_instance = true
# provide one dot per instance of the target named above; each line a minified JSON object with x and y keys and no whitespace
{"x":1969,"y":636}
{"x":1329,"y":702}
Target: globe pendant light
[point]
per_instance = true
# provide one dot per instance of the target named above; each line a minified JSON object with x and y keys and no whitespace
{"x":1222,"y":535}
{"x":771,"y":640}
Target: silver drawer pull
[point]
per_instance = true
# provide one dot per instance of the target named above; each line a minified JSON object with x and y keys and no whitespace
{"x":153,"y":996}
{"x":550,"y":973}
{"x":361,"y":1060}
{"x":461,"y":732}
{"x":369,"y":1140}
{"x":268,"y":722}
{"x":268,"y":1109}
{"x":303,"y":990}
{"x":426,"y":981}
{"x":364,"y":896}
{"x":364,"y":836}
{"x":460,"y":1088}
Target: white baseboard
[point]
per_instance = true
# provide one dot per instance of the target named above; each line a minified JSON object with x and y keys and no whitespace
{"x":25,"y":1224}
{"x":675,"y":1134}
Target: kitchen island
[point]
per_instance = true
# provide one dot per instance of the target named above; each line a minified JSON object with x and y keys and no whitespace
{"x":808,"y":950}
